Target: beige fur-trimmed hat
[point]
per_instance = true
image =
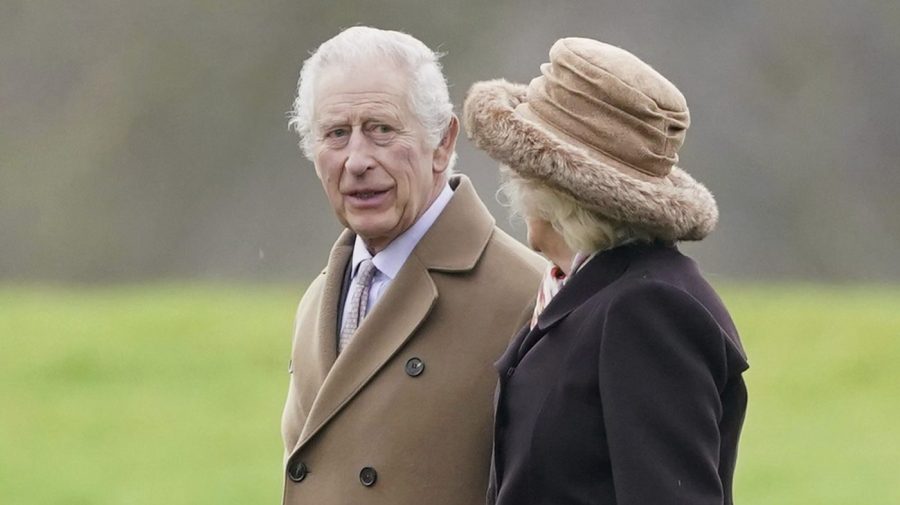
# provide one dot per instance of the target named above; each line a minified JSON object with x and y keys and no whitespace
{"x":602,"y":126}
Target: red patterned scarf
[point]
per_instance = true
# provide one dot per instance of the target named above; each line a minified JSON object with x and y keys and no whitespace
{"x":553,"y":280}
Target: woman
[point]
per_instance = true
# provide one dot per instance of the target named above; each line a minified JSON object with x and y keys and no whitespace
{"x":626,"y":388}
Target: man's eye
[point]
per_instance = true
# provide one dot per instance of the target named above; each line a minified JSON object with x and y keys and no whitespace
{"x":382,"y":129}
{"x":336,"y":132}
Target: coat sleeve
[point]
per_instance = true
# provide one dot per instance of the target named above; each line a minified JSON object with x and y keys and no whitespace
{"x":661,"y":367}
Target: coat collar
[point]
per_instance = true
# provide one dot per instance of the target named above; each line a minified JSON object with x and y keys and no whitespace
{"x":457,"y":239}
{"x":454,"y":243}
{"x":599,"y":272}
{"x":596,"y":274}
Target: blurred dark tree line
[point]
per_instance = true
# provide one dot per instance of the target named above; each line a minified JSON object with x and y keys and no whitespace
{"x":143,"y":140}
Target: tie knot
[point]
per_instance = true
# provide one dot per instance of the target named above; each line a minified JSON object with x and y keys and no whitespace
{"x":366,"y":271}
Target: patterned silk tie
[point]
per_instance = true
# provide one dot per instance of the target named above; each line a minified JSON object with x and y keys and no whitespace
{"x":358,"y":300}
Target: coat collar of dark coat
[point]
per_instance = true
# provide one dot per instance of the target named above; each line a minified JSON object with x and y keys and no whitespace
{"x":598,"y":273}
{"x":595,"y":275}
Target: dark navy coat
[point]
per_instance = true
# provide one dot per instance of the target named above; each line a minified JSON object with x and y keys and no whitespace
{"x":628,"y":391}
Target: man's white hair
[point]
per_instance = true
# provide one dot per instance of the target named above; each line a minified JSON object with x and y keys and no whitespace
{"x":429,"y":99}
{"x":582,"y":229}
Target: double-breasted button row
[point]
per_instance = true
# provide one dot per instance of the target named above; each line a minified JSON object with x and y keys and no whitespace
{"x":415,"y":367}
{"x":368,"y":476}
{"x":297,"y":471}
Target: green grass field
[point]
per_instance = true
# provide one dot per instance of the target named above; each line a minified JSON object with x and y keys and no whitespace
{"x":173,"y":393}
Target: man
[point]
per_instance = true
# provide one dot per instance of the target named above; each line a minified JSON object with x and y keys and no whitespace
{"x":390,"y":397}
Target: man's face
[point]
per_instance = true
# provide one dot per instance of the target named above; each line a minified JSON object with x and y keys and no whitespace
{"x":371,"y":153}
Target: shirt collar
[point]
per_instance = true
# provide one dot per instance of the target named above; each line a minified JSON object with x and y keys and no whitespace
{"x":389,"y":260}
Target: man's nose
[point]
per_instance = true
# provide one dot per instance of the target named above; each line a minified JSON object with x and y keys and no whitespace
{"x":359,"y":154}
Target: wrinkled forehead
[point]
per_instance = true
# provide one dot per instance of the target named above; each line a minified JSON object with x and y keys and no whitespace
{"x":367,"y":75}
{"x":362,"y":92}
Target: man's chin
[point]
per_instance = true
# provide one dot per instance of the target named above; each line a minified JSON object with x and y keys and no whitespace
{"x":374,"y":231}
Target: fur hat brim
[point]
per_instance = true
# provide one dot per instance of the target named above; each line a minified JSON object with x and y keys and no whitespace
{"x":676,"y":207}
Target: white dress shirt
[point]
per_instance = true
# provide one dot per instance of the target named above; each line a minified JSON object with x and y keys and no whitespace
{"x":389,"y":260}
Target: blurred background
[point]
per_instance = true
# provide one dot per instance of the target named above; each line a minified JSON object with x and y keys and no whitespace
{"x":158,"y":224}
{"x":146,"y":140}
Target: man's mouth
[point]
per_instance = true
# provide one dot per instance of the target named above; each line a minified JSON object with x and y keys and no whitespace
{"x":367,"y":195}
{"x":367,"y":198}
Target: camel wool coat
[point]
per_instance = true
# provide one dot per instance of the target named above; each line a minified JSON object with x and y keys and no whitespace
{"x":403,"y":416}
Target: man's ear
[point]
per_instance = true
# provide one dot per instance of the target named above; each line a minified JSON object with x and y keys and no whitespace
{"x":447,"y":145}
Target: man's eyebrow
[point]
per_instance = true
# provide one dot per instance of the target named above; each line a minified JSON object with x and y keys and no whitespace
{"x":329,"y":122}
{"x":364,"y":115}
{"x":381,"y":117}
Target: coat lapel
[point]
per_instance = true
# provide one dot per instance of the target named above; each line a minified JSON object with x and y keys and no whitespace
{"x":510,"y":356}
{"x":455,"y":242}
{"x":598,"y":273}
{"x":380,"y":335}
{"x":320,"y":346}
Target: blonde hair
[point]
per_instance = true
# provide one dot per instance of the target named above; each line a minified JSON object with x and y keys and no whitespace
{"x":582,"y":229}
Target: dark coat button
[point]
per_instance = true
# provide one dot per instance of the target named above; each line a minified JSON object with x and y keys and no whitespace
{"x":297,"y":471}
{"x":368,"y":476}
{"x":415,"y":367}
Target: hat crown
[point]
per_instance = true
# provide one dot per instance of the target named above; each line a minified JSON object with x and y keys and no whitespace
{"x":612,"y":103}
{"x":612,"y":63}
